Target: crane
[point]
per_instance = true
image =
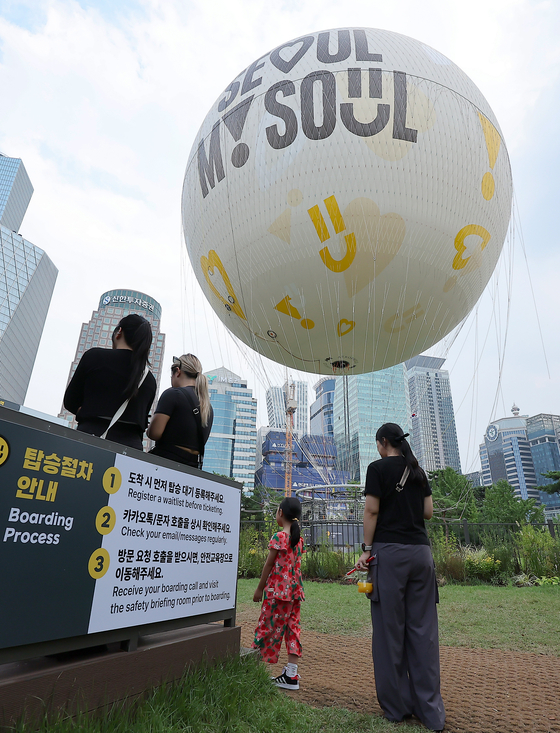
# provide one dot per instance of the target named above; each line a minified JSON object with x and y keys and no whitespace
{"x":291,"y":407}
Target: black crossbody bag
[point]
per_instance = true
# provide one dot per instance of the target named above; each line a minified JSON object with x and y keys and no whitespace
{"x":195,"y":406}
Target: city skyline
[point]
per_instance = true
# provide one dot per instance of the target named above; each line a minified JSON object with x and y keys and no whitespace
{"x":107,"y":187}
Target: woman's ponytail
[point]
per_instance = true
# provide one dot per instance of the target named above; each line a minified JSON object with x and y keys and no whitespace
{"x":291,"y":509}
{"x":192,"y":367}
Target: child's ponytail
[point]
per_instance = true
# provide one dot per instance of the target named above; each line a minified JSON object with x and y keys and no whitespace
{"x":291,"y":509}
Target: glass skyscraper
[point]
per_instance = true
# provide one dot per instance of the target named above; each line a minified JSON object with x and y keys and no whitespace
{"x":434,"y":435}
{"x":362,"y":403}
{"x":27,"y":279}
{"x":114,"y":305}
{"x":231,"y":447}
{"x":321,"y":411}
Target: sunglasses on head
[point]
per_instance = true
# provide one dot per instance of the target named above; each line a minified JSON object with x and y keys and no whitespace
{"x":176,"y":364}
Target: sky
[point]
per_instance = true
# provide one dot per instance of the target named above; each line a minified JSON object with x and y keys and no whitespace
{"x":103,"y":101}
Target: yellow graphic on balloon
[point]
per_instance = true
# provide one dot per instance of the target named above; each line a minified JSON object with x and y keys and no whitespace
{"x":459,"y":261}
{"x":320,"y":225}
{"x":391,"y":325}
{"x":208,"y":264}
{"x":344,"y":327}
{"x":284,"y":306}
{"x":493,"y":142}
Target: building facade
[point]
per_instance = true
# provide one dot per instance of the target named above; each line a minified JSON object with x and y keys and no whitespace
{"x":543,"y":434}
{"x":15,"y":192}
{"x":506,"y":454}
{"x":231,"y":447}
{"x":321,"y":411}
{"x":314,"y":462}
{"x":276,"y":406}
{"x":362,"y":403}
{"x":27,"y":279}
{"x":113,"y":306}
{"x":433,"y":436}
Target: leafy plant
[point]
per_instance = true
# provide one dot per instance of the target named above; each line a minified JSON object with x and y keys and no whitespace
{"x":480,"y":565}
{"x":539,"y":552}
{"x":324,"y":563}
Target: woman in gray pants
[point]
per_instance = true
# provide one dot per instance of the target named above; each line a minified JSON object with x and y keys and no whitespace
{"x":403,"y":604}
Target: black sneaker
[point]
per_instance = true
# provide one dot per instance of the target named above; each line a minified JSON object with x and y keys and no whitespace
{"x":288,"y":683}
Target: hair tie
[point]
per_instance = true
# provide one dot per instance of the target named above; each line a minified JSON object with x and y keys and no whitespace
{"x":295,"y":519}
{"x":402,"y":437}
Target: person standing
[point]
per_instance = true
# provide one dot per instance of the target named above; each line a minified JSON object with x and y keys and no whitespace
{"x":183,"y":418}
{"x":397,"y":552}
{"x":282,"y":588}
{"x":106,"y":378}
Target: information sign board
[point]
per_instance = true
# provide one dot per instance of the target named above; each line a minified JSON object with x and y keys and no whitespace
{"x":93,"y":540}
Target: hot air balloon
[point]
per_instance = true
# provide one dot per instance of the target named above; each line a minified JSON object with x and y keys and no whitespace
{"x":346,"y":200}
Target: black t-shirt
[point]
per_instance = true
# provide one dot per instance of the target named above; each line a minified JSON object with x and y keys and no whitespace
{"x":401,"y":513}
{"x":98,"y":385}
{"x":181,"y":428}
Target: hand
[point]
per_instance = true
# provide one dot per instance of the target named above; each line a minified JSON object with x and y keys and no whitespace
{"x":362,"y":563}
{"x":257,"y":595}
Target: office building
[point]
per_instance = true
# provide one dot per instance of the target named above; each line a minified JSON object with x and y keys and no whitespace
{"x":276,"y":406}
{"x":231,"y":447}
{"x":362,"y":403}
{"x":314,"y":462}
{"x":321,"y":411}
{"x":27,"y":279}
{"x":543,"y":434}
{"x":433,"y":435}
{"x":506,"y":454}
{"x":113,"y":306}
{"x":15,"y":192}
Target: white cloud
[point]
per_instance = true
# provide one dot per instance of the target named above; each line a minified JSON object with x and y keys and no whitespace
{"x":103,"y":106}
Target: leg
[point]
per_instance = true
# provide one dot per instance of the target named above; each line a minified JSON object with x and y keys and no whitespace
{"x":388,"y":641}
{"x":269,"y":633}
{"x":422,"y":645}
{"x":293,"y":632}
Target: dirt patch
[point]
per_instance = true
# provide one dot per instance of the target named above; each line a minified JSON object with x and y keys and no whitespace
{"x":484,"y":690}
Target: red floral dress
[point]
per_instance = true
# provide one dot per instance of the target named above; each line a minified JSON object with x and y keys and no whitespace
{"x":283,"y":594}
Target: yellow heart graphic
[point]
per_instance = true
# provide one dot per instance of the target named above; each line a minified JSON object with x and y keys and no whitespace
{"x":342,"y":323}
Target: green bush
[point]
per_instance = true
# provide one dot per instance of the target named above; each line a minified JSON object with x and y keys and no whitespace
{"x":448,"y":558}
{"x":479,"y":565}
{"x":539,"y":552}
{"x":324,"y":563}
{"x":253,"y":551}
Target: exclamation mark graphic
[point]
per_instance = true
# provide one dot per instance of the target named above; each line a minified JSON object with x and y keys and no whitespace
{"x":493,"y":142}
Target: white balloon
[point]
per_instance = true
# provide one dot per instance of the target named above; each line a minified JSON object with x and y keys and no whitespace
{"x":346,"y":200}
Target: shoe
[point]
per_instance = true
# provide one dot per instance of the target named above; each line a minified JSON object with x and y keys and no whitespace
{"x":288,"y":683}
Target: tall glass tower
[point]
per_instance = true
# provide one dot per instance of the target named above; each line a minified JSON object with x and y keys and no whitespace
{"x":114,"y":305}
{"x":27,"y":279}
{"x":231,"y":447}
{"x":433,"y":435}
{"x":276,"y":407}
{"x":362,"y":403}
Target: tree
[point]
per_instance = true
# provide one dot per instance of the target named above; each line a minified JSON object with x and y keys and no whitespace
{"x":500,"y":505}
{"x":452,"y":495}
{"x":551,"y":488}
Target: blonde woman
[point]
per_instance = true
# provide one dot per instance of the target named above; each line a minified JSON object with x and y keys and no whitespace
{"x":183,"y":418}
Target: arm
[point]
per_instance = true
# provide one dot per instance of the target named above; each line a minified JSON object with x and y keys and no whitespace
{"x":164,"y":410}
{"x":74,"y":395}
{"x":269,"y":564}
{"x":157,"y":426}
{"x":428,"y":507}
{"x":371,"y":512}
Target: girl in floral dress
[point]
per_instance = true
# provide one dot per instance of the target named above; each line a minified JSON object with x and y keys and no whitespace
{"x":283,"y":593}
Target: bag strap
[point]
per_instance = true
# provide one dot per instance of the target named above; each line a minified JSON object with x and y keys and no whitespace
{"x":123,"y":407}
{"x":402,"y":482}
{"x":198,"y":421}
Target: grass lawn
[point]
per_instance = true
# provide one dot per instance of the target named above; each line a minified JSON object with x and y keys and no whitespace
{"x":237,"y":696}
{"x":482,"y":616}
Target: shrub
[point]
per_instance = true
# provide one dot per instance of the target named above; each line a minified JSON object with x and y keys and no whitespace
{"x":253,"y":551}
{"x":480,"y":565}
{"x":324,"y":563}
{"x":448,"y":558}
{"x":539,"y":552}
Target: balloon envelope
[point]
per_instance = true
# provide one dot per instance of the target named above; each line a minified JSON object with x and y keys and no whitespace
{"x":346,"y":200}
